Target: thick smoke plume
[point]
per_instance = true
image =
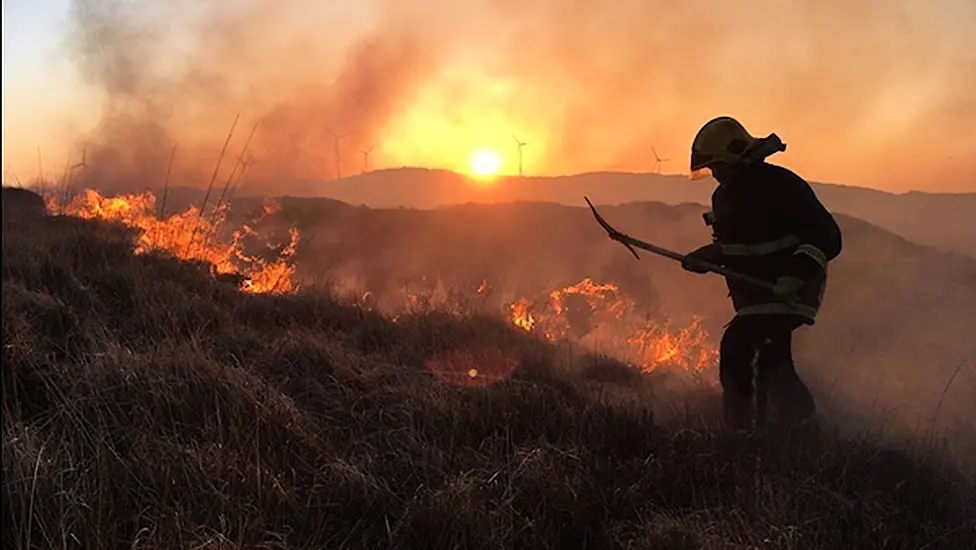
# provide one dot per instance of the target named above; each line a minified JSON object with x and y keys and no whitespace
{"x":590,"y":85}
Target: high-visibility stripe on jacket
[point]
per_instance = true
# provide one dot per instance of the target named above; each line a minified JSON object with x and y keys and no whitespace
{"x":769,"y":223}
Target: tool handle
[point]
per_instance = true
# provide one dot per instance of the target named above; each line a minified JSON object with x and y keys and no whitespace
{"x":631,"y":243}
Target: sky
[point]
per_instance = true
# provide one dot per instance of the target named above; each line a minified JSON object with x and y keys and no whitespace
{"x":876,"y":93}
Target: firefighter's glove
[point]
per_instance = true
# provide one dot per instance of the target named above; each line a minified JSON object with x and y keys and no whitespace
{"x":710,"y":253}
{"x":788,"y":288}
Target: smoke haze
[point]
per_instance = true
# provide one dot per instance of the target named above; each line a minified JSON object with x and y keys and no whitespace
{"x":877,"y":93}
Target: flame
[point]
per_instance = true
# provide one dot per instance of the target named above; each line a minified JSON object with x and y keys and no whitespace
{"x":558,"y":315}
{"x":688,"y":348}
{"x":521,"y":316}
{"x":190,"y":236}
{"x":586,"y":311}
{"x":595,"y":315}
{"x":609,"y":315}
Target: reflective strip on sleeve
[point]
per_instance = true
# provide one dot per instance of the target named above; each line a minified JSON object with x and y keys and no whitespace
{"x":779,"y":308}
{"x":760,"y":249}
{"x":813,"y":252}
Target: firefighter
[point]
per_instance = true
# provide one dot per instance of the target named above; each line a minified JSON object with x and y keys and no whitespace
{"x":766,"y":222}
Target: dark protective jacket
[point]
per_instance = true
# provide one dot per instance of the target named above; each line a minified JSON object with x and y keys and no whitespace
{"x":769,"y":223}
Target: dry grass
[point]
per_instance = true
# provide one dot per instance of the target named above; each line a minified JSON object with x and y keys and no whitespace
{"x":146,"y":405}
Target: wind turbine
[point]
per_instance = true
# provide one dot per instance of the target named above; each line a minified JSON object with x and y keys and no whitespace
{"x":366,"y":153}
{"x":84,"y":160}
{"x":69,"y":176}
{"x":519,"y":144}
{"x":658,"y":161}
{"x":338,"y":155}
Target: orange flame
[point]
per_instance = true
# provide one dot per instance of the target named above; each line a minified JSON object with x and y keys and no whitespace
{"x":521,"y":316}
{"x":650,"y":345}
{"x":688,"y":348}
{"x":189,"y":236}
{"x":594,"y":314}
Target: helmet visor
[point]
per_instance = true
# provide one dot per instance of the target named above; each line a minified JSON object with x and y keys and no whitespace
{"x":700,"y":165}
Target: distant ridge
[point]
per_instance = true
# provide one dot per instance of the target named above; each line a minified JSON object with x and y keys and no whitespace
{"x":942,"y":220}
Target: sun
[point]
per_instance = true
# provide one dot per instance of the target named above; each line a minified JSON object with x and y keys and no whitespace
{"x":485,"y":163}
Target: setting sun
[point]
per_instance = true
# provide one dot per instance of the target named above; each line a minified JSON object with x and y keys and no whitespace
{"x":485,"y":163}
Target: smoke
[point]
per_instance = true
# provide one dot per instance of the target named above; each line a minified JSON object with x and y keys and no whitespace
{"x":588,"y":85}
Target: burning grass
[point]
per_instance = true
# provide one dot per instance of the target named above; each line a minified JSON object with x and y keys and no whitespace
{"x":591,"y":312}
{"x":189,"y":235}
{"x":148,"y":405}
{"x":600,"y":314}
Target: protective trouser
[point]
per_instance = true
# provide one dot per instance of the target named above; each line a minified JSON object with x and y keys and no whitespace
{"x":759,"y":347}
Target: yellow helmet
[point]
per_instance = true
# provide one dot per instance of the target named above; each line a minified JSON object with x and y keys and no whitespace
{"x":725,"y":139}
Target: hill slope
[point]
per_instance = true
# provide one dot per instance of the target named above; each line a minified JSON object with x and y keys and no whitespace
{"x":941,"y":220}
{"x":147,"y":405}
{"x":896,"y":324}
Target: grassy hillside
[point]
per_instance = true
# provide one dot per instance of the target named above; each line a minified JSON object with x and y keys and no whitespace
{"x":147,"y":404}
{"x":895,"y":327}
{"x":891,"y":346}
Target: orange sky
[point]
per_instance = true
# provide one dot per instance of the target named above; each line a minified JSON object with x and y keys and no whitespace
{"x":878,"y":95}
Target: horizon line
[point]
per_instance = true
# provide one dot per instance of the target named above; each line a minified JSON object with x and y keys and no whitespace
{"x":34,"y":183}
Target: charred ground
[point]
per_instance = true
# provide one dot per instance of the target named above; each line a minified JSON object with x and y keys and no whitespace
{"x":147,"y":404}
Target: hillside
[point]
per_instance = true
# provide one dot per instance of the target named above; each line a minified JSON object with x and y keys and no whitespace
{"x":550,"y":270}
{"x":147,"y":404}
{"x":896,"y":325}
{"x":942,"y":220}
